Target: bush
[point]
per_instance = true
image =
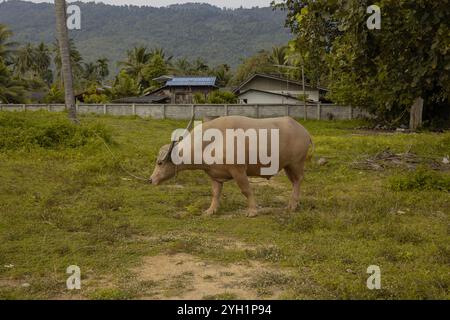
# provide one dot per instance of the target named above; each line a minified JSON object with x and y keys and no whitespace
{"x":421,"y":179}
{"x":24,"y":130}
{"x":216,"y":97}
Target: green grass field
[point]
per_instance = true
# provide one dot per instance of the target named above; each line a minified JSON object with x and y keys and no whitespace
{"x":64,"y":201}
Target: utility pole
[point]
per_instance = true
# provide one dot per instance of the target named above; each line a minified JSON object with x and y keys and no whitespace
{"x":304,"y":93}
{"x":303,"y":84}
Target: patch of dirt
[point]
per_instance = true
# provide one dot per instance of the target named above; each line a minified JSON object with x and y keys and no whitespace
{"x":233,"y":244}
{"x":387,"y":159}
{"x":11,"y":283}
{"x":186,"y":277}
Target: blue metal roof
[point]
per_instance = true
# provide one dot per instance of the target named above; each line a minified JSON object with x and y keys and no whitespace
{"x":192,"y":82}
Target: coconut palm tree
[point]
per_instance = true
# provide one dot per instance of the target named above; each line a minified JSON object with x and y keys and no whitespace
{"x":6,"y":46}
{"x":103,"y":68}
{"x":160,"y":52}
{"x":11,"y":90}
{"x":279,"y":56}
{"x":42,"y":62}
{"x":24,"y":61}
{"x":181,"y":67}
{"x":64,"y":49}
{"x":91,"y":72}
{"x":76,"y":61}
{"x":200,"y":67}
{"x":137,"y":60}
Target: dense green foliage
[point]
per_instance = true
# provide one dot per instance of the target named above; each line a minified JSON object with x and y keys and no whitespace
{"x":422,"y":179}
{"x":191,"y":30}
{"x":216,"y":97}
{"x":12,"y":90}
{"x":383,"y":70}
{"x":24,"y":130}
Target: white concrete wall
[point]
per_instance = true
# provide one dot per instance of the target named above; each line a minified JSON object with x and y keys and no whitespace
{"x":183,"y":112}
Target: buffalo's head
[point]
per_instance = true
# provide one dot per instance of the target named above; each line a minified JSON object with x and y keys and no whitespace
{"x":165,"y":169}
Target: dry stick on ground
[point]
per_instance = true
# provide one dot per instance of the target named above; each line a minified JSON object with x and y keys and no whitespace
{"x":386,"y":159}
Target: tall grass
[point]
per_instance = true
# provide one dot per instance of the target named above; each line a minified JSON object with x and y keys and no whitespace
{"x":26,"y":130}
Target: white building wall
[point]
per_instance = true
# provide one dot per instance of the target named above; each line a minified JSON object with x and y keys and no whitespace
{"x":255,"y":97}
{"x":282,"y":87}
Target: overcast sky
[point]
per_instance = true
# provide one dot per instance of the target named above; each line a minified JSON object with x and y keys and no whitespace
{"x":159,"y":3}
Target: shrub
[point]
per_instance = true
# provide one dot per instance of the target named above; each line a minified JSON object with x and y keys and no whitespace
{"x":421,"y":179}
{"x":24,"y":130}
{"x":216,"y":97}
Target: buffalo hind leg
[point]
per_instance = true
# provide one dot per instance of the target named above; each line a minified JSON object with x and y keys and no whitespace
{"x":295,"y":175}
{"x":217,"y":191}
{"x":240,"y":176}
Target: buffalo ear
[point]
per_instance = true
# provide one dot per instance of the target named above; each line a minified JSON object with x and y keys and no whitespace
{"x":168,"y":156}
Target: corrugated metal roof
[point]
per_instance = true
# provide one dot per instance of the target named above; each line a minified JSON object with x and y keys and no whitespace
{"x":143,"y":99}
{"x":192,"y":82}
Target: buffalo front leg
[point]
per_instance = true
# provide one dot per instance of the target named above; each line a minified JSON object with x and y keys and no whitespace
{"x":240,"y":176}
{"x":217,"y":191}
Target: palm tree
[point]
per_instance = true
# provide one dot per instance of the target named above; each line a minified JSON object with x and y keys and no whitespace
{"x":160,"y":52}
{"x":91,"y":72}
{"x":223,"y":75}
{"x":24,"y":61}
{"x":11,"y":90}
{"x":42,"y":62}
{"x":6,"y":46}
{"x":76,"y":61}
{"x":64,"y":49}
{"x":279,"y":56}
{"x":182,"y":67}
{"x":103,"y":68}
{"x":136,"y":61}
{"x":200,"y":67}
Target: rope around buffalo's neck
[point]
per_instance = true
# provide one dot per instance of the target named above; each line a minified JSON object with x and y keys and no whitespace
{"x":118,"y":161}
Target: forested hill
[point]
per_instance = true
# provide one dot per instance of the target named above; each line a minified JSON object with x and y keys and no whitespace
{"x":190,"y":30}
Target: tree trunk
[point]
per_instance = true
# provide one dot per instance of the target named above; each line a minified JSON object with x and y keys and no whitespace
{"x":416,"y":113}
{"x":66,"y":68}
{"x":305,"y":110}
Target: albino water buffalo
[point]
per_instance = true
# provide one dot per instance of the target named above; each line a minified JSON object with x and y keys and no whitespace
{"x":287,"y":144}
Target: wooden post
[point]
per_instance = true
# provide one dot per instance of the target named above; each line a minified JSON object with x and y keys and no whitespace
{"x":134,"y":109}
{"x":287,"y":110}
{"x":105,"y":109}
{"x":49,"y":109}
{"x":226,"y":110}
{"x":164,"y":111}
{"x":76,"y":107}
{"x":351,"y":113}
{"x":319,"y":111}
{"x":257,"y":111}
{"x":304,"y":93}
{"x":193,"y":111}
{"x":415,"y":120}
{"x":24,"y":107}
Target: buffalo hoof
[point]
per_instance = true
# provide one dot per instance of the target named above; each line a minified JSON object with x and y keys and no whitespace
{"x":210,"y":212}
{"x":292,"y":207}
{"x":252,"y":213}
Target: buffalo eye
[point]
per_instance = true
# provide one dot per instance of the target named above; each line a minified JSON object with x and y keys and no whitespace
{"x":159,"y":163}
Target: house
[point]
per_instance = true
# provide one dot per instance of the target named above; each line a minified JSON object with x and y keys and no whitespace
{"x":271,"y":89}
{"x":181,"y":90}
{"x":149,"y":99}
